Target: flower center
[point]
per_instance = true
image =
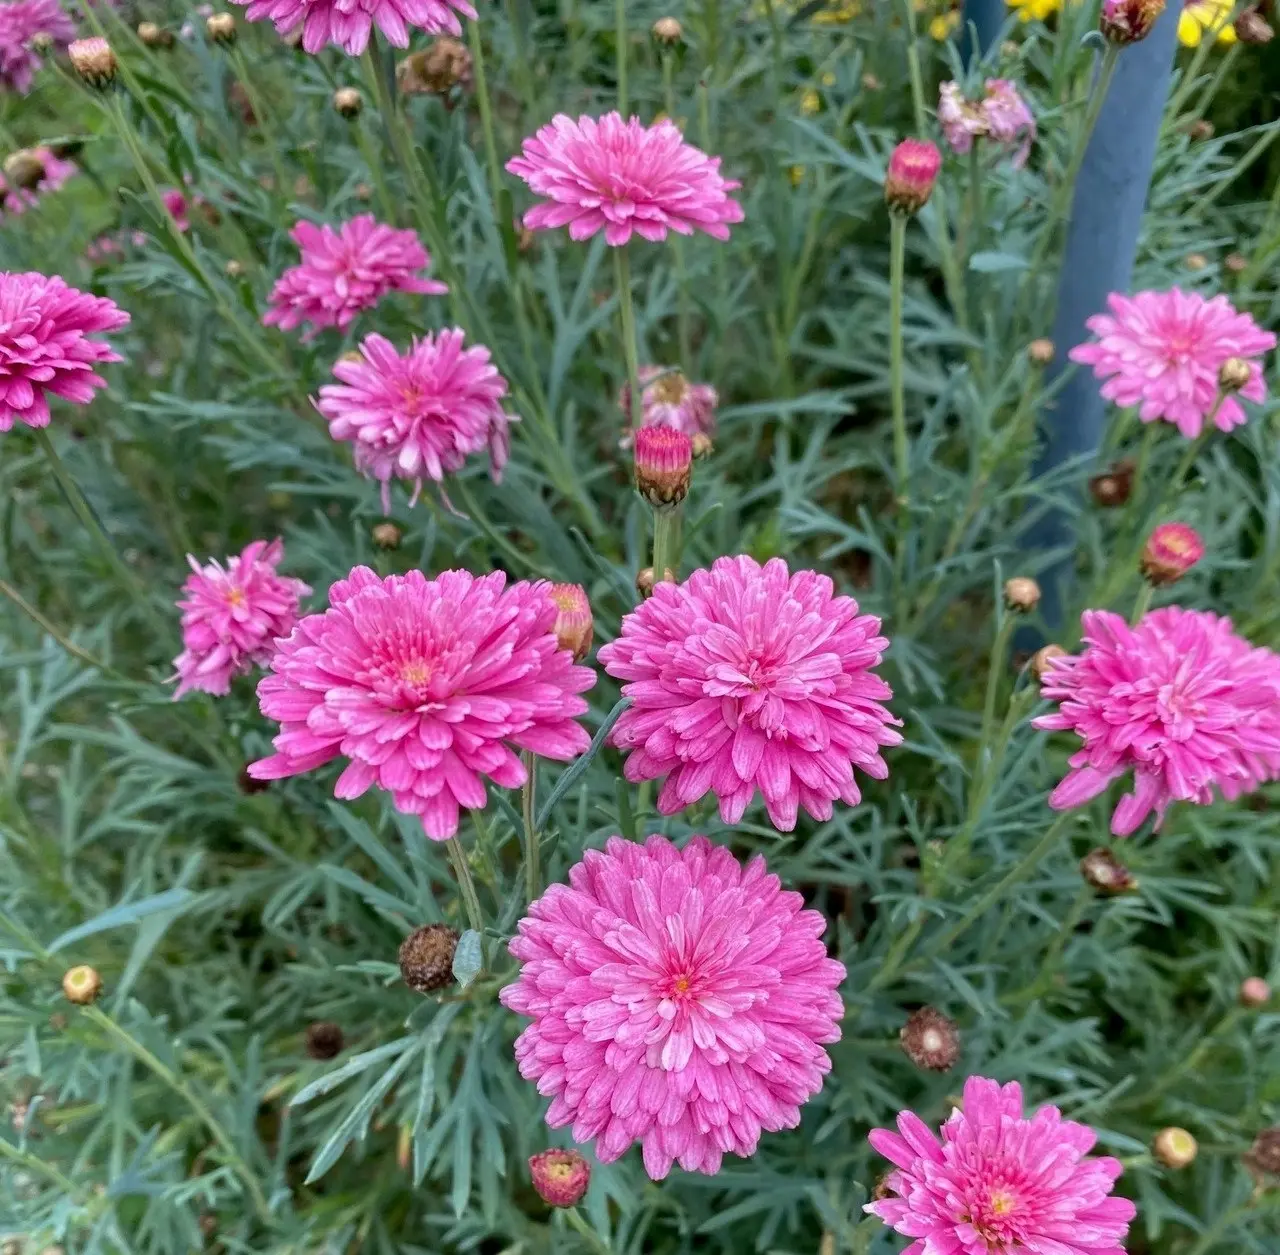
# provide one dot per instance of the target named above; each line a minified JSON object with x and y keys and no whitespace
{"x":670,"y":389}
{"x":415,"y":672}
{"x":235,"y":597}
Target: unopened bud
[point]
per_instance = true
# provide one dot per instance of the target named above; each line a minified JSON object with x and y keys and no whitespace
{"x":1041,"y":351}
{"x":1113,"y":487}
{"x":1263,"y":1157}
{"x":348,"y":102}
{"x":663,"y":462}
{"x":1201,"y":129}
{"x":1174,"y":1147}
{"x":234,"y":269}
{"x":1042,"y":660}
{"x":870,"y":82}
{"x":1252,"y":28}
{"x":1127,"y":21}
{"x":1195,"y":261}
{"x":94,"y":61}
{"x":324,"y":1040}
{"x":913,"y":170}
{"x":363,"y":192}
{"x":930,"y":1039}
{"x":702,"y":446}
{"x":386,"y":535}
{"x":561,"y":1177}
{"x":221,"y":28}
{"x":667,"y":30}
{"x":645,"y":580}
{"x":1106,"y":873}
{"x":1235,"y":263}
{"x":23,"y":169}
{"x":1171,"y":551}
{"x":426,"y":957}
{"x":573,"y":626}
{"x":1254,"y":992}
{"x":155,"y":36}
{"x":1234,"y":374}
{"x":82,"y":985}
{"x":42,"y":42}
{"x":1021,"y":594}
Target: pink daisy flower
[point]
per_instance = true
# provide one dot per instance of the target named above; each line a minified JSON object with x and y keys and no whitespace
{"x":420,"y":415}
{"x":347,"y":23}
{"x":999,"y":1183}
{"x":1162,"y":351}
{"x":20,"y":22}
{"x":745,"y":677}
{"x":1180,"y":700}
{"x":232,"y":617}
{"x":424,"y":686}
{"x":623,"y":177}
{"x":678,"y":1000}
{"x":345,"y":271}
{"x":17,"y":200}
{"x":668,"y":399}
{"x":45,"y":347}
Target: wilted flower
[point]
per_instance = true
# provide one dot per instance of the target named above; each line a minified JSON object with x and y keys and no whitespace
{"x":1252,"y":28}
{"x":424,"y":686}
{"x":426,"y":958}
{"x":663,"y":465}
{"x":419,"y":415}
{"x":1180,"y":699}
{"x":345,"y":271}
{"x":45,"y":346}
{"x":561,"y":1177}
{"x":701,"y":1016}
{"x":1263,"y":1157}
{"x":668,"y":399}
{"x":1127,"y":21}
{"x":436,"y":70}
{"x":232,"y":617}
{"x":1001,"y":115}
{"x":1162,"y":351}
{"x":1000,"y":1182}
{"x":1171,"y":551}
{"x":54,"y":172}
{"x":747,"y":678}
{"x":20,"y":22}
{"x":348,"y":23}
{"x":913,"y":170}
{"x":623,"y":177}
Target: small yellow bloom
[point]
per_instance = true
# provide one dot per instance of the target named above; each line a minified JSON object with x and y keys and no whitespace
{"x":942,"y":26}
{"x":828,"y":79}
{"x":1206,"y":17}
{"x":796,"y":175}
{"x":1029,"y":10}
{"x":810,"y":101}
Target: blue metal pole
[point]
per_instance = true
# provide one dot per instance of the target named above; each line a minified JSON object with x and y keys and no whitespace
{"x":987,"y":16}
{"x":1102,"y":239}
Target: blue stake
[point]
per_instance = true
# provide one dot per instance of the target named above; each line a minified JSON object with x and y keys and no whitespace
{"x":1102,"y":239}
{"x":988,"y":16}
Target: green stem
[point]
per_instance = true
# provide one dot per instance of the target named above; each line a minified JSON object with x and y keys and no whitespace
{"x":1049,"y":965}
{"x":898,"y":400}
{"x":913,"y":68}
{"x":579,"y":1223}
{"x":622,"y":280}
{"x":620,"y":37}
{"x":532,"y":880}
{"x":50,"y":629}
{"x":34,"y":1164}
{"x":389,"y":209}
{"x":973,"y":232}
{"x":1209,"y":1238}
{"x":476,"y":44}
{"x":666,"y":526}
{"x":1142,"y":603}
{"x":265,"y":125}
{"x":470,"y":899}
{"x":683,"y":313}
{"x":995,"y":670}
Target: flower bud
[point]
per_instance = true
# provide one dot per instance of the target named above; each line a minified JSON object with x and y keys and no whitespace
{"x":1127,"y":21}
{"x":1252,"y":28}
{"x":42,"y":42}
{"x":386,"y":535}
{"x":436,"y":70}
{"x":1263,"y":1157}
{"x":1234,"y":374}
{"x":1254,"y":992}
{"x":363,"y":192}
{"x":234,"y":269}
{"x":561,"y":1177}
{"x":1174,"y":1147}
{"x":348,"y":102}
{"x":667,"y":30}
{"x":324,"y":1040}
{"x":1042,"y":660}
{"x":1201,"y":129}
{"x":221,"y":28}
{"x":930,"y":1039}
{"x":913,"y":170}
{"x":645,"y":580}
{"x":94,"y":61}
{"x":1113,"y":487}
{"x":1171,"y":551}
{"x":23,"y":169}
{"x":1106,"y":873}
{"x":82,"y":985}
{"x":663,"y":465}
{"x":155,"y":36}
{"x":1195,"y":261}
{"x":573,"y":626}
{"x":1041,"y":351}
{"x":1021,"y":594}
{"x":1235,"y":263}
{"x":249,"y":785}
{"x":426,"y":957}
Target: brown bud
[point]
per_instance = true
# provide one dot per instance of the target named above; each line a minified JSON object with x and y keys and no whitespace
{"x":386,"y":536}
{"x":667,"y":30}
{"x":93,"y":60}
{"x":1021,"y":594}
{"x":1253,"y":28}
{"x":1234,"y":374}
{"x":1174,"y":1147}
{"x":155,"y":36}
{"x":1041,"y":351}
{"x":436,"y":70}
{"x":348,"y":102}
{"x":645,"y":580}
{"x":1263,"y":1157}
{"x":221,"y":28}
{"x":1106,"y":873}
{"x":324,"y":1039}
{"x":1040,"y":660}
{"x":1113,"y":487}
{"x":1235,"y":263}
{"x":930,"y":1039}
{"x":1195,"y":261}
{"x":1254,"y":992}
{"x":363,"y":192}
{"x":1201,"y":129}
{"x":426,"y":957}
{"x":82,"y":985}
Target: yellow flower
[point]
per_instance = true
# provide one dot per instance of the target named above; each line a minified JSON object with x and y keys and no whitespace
{"x":940,"y":27}
{"x":836,"y":12}
{"x":796,"y":175}
{"x":1206,"y":17}
{"x":810,"y":101}
{"x":828,"y":79}
{"x":1035,"y":9}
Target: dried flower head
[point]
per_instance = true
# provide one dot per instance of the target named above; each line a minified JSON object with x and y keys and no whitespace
{"x":930,"y":1039}
{"x":426,"y":958}
{"x":1041,"y":351}
{"x":386,"y":535}
{"x":324,"y":1040}
{"x":82,"y":985}
{"x":1106,"y":873}
{"x":24,"y":169}
{"x":1254,"y":992}
{"x":1263,"y":1157}
{"x":561,"y":1177}
{"x":1171,"y":551}
{"x":1174,"y":1147}
{"x":94,"y":61}
{"x":221,"y":28}
{"x":436,"y":70}
{"x":1021,"y":594}
{"x":574,"y":625}
{"x":913,"y":170}
{"x":1001,"y":115}
{"x":347,"y":102}
{"x":1127,"y":21}
{"x":663,"y":465}
{"x":1113,"y":487}
{"x":1252,"y":28}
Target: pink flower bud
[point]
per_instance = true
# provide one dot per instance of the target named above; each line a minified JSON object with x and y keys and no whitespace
{"x":573,"y":626}
{"x":664,"y":460}
{"x":1127,"y":21}
{"x":1254,"y":992}
{"x":1172,"y":550}
{"x":913,"y":170}
{"x":561,"y":1177}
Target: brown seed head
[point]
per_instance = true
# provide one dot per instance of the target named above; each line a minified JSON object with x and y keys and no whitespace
{"x":1263,"y":1157}
{"x":1021,"y":594}
{"x":94,"y":61}
{"x":24,"y":169}
{"x":426,"y":957}
{"x":1041,"y":351}
{"x":1253,"y":28}
{"x":324,"y":1039}
{"x":1254,"y":992}
{"x":348,"y":102}
{"x":1106,"y":873}
{"x":930,"y":1039}
{"x":221,"y":28}
{"x":386,"y":535}
{"x":155,"y":36}
{"x":1043,"y":657}
{"x":82,"y":985}
{"x":667,"y":30}
{"x":1234,"y":374}
{"x":1113,"y":487}
{"x":436,"y":70}
{"x":1174,"y":1147}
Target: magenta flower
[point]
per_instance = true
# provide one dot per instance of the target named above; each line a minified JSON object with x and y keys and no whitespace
{"x":1001,"y":115}
{"x":1171,"y":551}
{"x":623,"y":177}
{"x":913,"y":170}
{"x":45,"y":347}
{"x":232,"y":617}
{"x":422,"y":415}
{"x":678,"y":1000}
{"x":20,"y":22}
{"x":348,"y":23}
{"x":345,"y":271}
{"x":668,"y":399}
{"x":1162,"y":351}
{"x":745,"y":678}
{"x":1180,"y":700}
{"x":424,"y":686}
{"x":175,"y":203}
{"x":15,"y":200}
{"x":1000,"y":1184}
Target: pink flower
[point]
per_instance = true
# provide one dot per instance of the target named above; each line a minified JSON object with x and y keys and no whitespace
{"x":232,"y":617}
{"x":421,"y":415}
{"x":45,"y":346}
{"x":668,"y":399}
{"x":56,"y":172}
{"x":175,"y":204}
{"x":746,"y":678}
{"x":1001,"y":115}
{"x":348,"y":23}
{"x":561,"y":1177}
{"x":1000,"y":1184}
{"x":624,"y":177}
{"x":20,"y":22}
{"x":1162,"y":351}
{"x":1171,"y":551}
{"x":345,"y":271}
{"x":424,"y":686}
{"x":1180,"y":699}
{"x":678,"y":1000}
{"x":913,"y":170}
{"x":960,"y":118}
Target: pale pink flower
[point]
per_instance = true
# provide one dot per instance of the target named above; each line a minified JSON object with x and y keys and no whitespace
{"x":232,"y":617}
{"x":424,"y":686}
{"x":348,"y":23}
{"x":1000,"y":1184}
{"x":17,"y":200}
{"x":346,"y":271}
{"x":745,"y":677}
{"x":45,"y":347}
{"x":1162,"y":351}
{"x":1001,"y":115}
{"x":1179,"y":699}
{"x":421,"y":415}
{"x":668,"y":399}
{"x":678,"y":1000}
{"x":623,"y":177}
{"x":20,"y":22}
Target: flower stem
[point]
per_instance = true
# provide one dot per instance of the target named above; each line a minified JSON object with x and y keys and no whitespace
{"x":579,"y":1223}
{"x":620,"y":36}
{"x":898,"y":398}
{"x":470,"y":899}
{"x":528,"y":797}
{"x":49,"y":629}
{"x":666,"y":531}
{"x":913,"y":67}
{"x":263,"y":117}
{"x":486,"y":113}
{"x":622,"y":278}
{"x":1142,"y":603}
